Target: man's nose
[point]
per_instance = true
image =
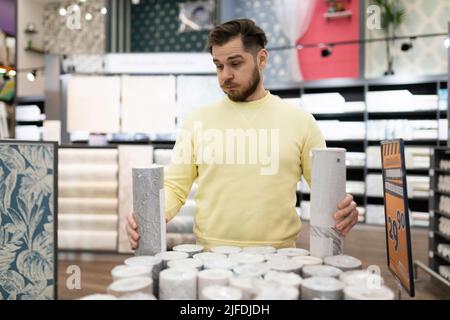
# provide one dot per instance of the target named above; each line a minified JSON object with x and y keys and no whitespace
{"x":227,"y":74}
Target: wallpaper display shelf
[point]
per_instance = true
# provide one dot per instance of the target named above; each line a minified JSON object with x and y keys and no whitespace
{"x":28,"y":212}
{"x":88,"y":201}
{"x":358,"y":114}
{"x":439,"y":241}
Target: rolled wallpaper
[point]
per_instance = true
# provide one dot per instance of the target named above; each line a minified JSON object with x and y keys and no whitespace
{"x":129,"y":157}
{"x":327,"y":190}
{"x":95,"y":222}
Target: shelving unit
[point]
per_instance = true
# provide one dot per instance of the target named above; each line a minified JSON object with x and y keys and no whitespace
{"x":29,"y":101}
{"x":357,"y":90}
{"x":438,"y":210}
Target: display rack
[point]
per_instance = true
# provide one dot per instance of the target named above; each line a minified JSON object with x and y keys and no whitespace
{"x":439,"y":210}
{"x":357,"y":90}
{"x":39,"y":101}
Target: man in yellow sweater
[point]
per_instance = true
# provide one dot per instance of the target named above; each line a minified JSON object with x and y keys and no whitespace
{"x":246,"y":154}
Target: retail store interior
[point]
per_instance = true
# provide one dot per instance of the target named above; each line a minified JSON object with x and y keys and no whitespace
{"x":90,"y":89}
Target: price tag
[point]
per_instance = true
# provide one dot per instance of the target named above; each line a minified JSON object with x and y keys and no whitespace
{"x":398,"y":234}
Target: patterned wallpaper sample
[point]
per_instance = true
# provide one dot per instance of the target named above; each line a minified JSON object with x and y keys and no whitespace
{"x":428,"y":55}
{"x":154,"y":28}
{"x":27,"y":194}
{"x":90,"y":39}
{"x":263,"y":13}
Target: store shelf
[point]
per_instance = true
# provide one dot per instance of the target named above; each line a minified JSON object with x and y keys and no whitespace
{"x":36,"y":50}
{"x":447,"y":215}
{"x":442,"y":235}
{"x":413,"y":115}
{"x":437,"y":254}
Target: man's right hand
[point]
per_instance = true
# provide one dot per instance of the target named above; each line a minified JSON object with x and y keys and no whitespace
{"x":132,"y":230}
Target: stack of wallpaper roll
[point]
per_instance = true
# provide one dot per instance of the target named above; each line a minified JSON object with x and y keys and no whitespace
{"x":444,"y":225}
{"x":234,"y":273}
{"x":88,"y":205}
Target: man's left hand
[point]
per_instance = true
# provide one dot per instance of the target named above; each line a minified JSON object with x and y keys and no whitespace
{"x":347,"y":215}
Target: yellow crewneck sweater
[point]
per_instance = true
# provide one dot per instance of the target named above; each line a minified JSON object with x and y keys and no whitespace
{"x":246,"y":159}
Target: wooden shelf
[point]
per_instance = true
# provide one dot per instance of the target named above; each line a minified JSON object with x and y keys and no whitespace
{"x":338,"y":15}
{"x":35,"y":50}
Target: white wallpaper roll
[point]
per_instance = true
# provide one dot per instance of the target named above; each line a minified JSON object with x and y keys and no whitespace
{"x":272,"y":290}
{"x":88,"y":189}
{"x":226,"y":264}
{"x":151,"y":262}
{"x":293,"y":252}
{"x":285,"y":266}
{"x":216,"y":292}
{"x":186,"y":263}
{"x":321,"y":271}
{"x":275,"y":256}
{"x":255,"y":270}
{"x":190,"y":249}
{"x":279,"y":293}
{"x":284,"y":278}
{"x":87,"y":240}
{"x":188,"y":209}
{"x":85,"y":171}
{"x":209,"y":255}
{"x":362,"y":293}
{"x":245,"y":257}
{"x":127,"y":271}
{"x":171,"y":255}
{"x":180,"y":224}
{"x":75,"y":156}
{"x":178,"y":284}
{"x":138,"y":296}
{"x":322,"y":288}
{"x":97,"y":222}
{"x":88,"y":205}
{"x":343,"y":262}
{"x":162,"y":156}
{"x":327,"y":190}
{"x":226,"y":249}
{"x":245,"y":284}
{"x":361,"y":278}
{"x":93,"y":104}
{"x":259,"y":250}
{"x":131,"y":286}
{"x":99,"y":296}
{"x":212,"y":277}
{"x":308,"y":260}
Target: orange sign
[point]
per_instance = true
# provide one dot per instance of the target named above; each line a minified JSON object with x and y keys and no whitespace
{"x":398,"y":235}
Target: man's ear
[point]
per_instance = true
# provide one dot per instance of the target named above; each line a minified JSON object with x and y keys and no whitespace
{"x":263,"y":55}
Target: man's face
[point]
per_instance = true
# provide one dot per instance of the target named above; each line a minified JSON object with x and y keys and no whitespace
{"x":237,"y":70}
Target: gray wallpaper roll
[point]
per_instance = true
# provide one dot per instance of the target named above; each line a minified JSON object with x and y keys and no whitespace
{"x":148,"y":205}
{"x":327,"y":190}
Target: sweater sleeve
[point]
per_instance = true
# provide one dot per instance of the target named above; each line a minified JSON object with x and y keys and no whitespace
{"x":313,"y":139}
{"x":182,"y":171}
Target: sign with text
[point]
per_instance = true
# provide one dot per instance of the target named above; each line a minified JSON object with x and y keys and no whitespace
{"x":398,"y":234}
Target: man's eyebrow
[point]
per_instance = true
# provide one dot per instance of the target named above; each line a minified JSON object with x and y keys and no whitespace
{"x":236,"y":56}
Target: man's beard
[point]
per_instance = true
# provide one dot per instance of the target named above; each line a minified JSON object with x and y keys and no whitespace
{"x":247,"y":92}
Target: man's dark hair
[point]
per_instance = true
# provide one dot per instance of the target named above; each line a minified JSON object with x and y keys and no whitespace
{"x":253,"y":37}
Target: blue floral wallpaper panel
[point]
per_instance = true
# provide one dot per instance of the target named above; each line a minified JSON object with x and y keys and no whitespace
{"x":28,"y":177}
